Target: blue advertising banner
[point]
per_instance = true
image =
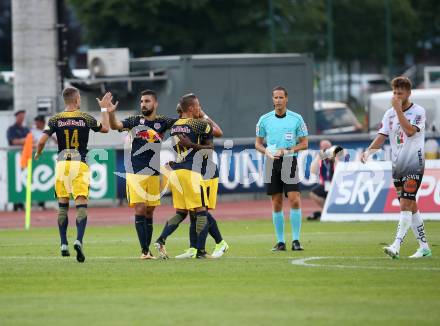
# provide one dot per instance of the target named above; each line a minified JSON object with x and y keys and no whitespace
{"x":241,"y":166}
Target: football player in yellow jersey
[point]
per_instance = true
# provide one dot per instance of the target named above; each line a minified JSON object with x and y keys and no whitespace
{"x":147,"y":130}
{"x":72,"y":176}
{"x":186,"y":181}
{"x":210,"y":183}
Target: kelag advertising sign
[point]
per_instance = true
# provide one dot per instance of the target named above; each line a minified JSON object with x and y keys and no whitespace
{"x":102,"y":184}
{"x":363,"y":192}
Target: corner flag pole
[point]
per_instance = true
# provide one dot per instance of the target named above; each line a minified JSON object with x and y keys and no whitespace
{"x":27,"y":220}
{"x":26,"y":160}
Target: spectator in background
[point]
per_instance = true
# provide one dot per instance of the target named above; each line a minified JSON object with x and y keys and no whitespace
{"x":324,"y":168}
{"x":16,"y":135}
{"x":38,"y":129}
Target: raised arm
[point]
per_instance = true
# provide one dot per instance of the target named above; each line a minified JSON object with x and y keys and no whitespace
{"x":105,"y":104}
{"x":407,"y":127}
{"x":115,"y":124}
{"x":216,"y":130}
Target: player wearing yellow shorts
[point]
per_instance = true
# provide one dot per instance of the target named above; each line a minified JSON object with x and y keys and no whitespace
{"x":211,"y":186}
{"x":186,"y":178}
{"x":72,"y":176}
{"x":143,"y":164}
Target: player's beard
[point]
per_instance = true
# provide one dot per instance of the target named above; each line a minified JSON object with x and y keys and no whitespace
{"x":147,"y":112}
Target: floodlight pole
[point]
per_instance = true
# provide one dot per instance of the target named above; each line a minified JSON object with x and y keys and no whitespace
{"x":330,"y":46}
{"x":389,"y":38}
{"x":272,"y":27}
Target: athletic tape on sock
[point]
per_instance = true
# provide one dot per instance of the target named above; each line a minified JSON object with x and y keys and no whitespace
{"x":201,"y":222}
{"x":63,"y":208}
{"x":81,"y":212}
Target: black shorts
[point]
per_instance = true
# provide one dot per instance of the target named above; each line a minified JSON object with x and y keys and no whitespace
{"x":281,"y":175}
{"x":319,"y":191}
{"x":410,"y":184}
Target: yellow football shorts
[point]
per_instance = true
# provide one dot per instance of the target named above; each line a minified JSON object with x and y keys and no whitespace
{"x":143,"y":189}
{"x":186,"y":188}
{"x":210,"y":188}
{"x":72,"y":178}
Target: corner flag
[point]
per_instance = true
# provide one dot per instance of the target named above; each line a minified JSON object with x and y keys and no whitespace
{"x":26,"y":161}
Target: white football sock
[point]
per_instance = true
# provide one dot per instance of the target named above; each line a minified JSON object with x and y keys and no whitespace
{"x":418,"y":229}
{"x":402,"y":228}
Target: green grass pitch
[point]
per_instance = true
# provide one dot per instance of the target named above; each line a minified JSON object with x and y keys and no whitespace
{"x":250,"y":285}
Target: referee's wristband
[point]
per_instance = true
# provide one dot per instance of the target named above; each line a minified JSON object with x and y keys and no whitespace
{"x":103,"y":109}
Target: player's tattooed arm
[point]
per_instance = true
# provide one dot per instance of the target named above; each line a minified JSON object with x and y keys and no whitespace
{"x":186,"y":142}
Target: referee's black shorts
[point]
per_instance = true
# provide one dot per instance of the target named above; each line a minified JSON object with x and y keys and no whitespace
{"x":281,"y":175}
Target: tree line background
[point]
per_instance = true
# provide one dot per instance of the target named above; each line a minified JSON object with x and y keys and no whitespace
{"x":165,"y":27}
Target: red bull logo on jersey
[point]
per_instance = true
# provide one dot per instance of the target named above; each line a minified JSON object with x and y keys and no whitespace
{"x":180,"y":129}
{"x":71,"y":122}
{"x":149,"y":135}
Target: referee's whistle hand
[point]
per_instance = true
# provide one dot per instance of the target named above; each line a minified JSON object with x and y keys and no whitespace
{"x":269,"y":155}
{"x":279,"y":153}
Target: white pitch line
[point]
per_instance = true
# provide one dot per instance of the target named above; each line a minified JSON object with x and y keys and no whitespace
{"x":305,"y":262}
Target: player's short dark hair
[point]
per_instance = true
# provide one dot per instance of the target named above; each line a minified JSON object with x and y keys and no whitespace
{"x":401,"y":82}
{"x":280,"y":88}
{"x":70,"y":94}
{"x":186,"y":101}
{"x":149,"y":92}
